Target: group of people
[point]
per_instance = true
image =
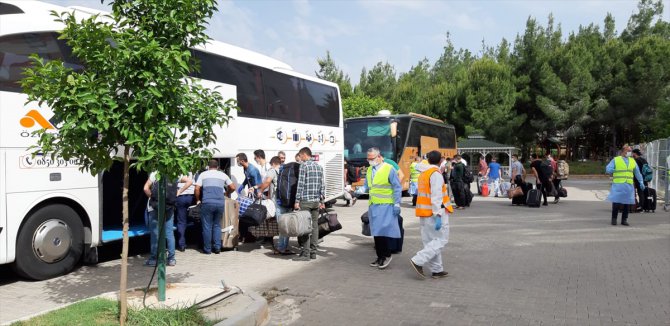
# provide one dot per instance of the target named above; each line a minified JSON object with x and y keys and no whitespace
{"x":209,"y":190}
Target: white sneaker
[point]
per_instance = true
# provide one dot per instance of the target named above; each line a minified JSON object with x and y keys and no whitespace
{"x":385,"y":262}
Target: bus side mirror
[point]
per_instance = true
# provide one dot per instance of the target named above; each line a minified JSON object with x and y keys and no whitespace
{"x":394,"y":129}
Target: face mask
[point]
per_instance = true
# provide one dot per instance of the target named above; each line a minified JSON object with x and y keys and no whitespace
{"x":372,"y":162}
{"x":628,"y":154}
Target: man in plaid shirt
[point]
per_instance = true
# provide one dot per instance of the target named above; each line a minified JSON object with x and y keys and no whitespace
{"x":309,"y":196}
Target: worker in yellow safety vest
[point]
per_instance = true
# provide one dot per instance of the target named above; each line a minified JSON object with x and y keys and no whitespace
{"x":622,"y":193}
{"x":433,"y":207}
{"x":414,"y":179}
{"x":383,"y":185}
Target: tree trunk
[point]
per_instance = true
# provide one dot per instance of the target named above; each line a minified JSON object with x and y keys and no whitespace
{"x":123,"y":300}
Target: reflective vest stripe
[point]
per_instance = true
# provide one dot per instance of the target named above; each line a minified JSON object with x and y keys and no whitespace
{"x":381,"y":191}
{"x":623,"y":173}
{"x":413,"y":173}
{"x":424,"y":208}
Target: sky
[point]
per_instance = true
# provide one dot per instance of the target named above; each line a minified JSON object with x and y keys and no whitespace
{"x":360,"y":33}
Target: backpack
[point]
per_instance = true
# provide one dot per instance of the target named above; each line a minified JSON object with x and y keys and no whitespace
{"x":563,"y":169}
{"x":547,"y":170}
{"x":287,"y":184}
{"x":467,"y":175}
{"x":647,"y":173}
{"x":170,"y":194}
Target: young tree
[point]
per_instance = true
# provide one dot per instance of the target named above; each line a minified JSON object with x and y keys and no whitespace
{"x":134,"y":96}
{"x":329,"y":71}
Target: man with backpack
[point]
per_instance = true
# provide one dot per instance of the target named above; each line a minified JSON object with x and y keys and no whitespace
{"x":269,"y":186}
{"x":646,"y":172}
{"x":542,"y":171}
{"x":151,"y":190}
{"x":561,"y":173}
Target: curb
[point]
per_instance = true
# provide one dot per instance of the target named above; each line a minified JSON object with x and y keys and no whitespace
{"x":255,"y":314}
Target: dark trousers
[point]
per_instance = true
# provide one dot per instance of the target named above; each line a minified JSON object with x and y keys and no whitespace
{"x":309,"y":240}
{"x":544,"y":188}
{"x":414,"y":200}
{"x":382,"y":247}
{"x":615,"y":212}
{"x":182,"y":204}
{"x":557,"y":185}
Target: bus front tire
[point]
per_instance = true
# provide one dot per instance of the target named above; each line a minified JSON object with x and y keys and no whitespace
{"x":50,"y":243}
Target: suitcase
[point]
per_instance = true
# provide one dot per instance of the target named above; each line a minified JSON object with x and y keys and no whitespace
{"x":485,"y":190}
{"x":230,"y":236}
{"x":395,"y":245}
{"x":534,"y":198}
{"x":649,"y":200}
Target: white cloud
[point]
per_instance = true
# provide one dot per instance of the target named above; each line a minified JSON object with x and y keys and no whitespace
{"x":233,"y":24}
{"x":302,"y":7}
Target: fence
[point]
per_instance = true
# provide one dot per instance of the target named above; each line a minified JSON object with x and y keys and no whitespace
{"x":657,"y":154}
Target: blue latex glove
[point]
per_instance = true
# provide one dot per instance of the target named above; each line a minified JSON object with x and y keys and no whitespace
{"x":438,"y":222}
{"x":642,"y":187}
{"x":396,"y":210}
{"x":358,"y":192}
{"x":239,"y":190}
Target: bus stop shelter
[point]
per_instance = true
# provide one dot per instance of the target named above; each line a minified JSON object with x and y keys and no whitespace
{"x":480,"y":145}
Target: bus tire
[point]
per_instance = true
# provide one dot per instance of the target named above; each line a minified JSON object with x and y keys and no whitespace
{"x":50,"y":243}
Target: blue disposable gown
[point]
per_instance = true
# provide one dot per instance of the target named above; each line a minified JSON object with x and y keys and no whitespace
{"x":383,"y":222}
{"x":623,"y":193}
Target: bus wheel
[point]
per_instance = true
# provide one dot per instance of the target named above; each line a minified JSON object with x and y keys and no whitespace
{"x":50,"y":243}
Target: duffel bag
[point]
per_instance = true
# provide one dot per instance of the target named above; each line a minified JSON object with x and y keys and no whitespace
{"x":295,"y":223}
{"x":255,"y":214}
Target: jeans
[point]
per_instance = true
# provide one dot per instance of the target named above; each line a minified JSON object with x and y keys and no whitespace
{"x":169,"y":232}
{"x":494,"y":186}
{"x":309,"y":240}
{"x":282,"y":242}
{"x":210,"y":217}
{"x":182,"y":204}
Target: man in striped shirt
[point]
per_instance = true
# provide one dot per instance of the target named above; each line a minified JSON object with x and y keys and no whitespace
{"x":309,"y":196}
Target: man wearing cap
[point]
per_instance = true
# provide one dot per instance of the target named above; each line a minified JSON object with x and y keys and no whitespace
{"x":640,"y":161}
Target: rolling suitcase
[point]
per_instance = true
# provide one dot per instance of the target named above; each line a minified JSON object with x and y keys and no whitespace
{"x":395,"y":245}
{"x":230,"y":236}
{"x":649,"y":200}
{"x":534,"y":198}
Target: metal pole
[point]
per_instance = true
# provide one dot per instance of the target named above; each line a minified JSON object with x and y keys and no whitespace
{"x":161,"y":239}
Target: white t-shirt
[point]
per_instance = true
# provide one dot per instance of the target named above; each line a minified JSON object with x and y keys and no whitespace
{"x":190,"y":190}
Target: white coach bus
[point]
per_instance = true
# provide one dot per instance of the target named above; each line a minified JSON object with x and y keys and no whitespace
{"x":52,"y":216}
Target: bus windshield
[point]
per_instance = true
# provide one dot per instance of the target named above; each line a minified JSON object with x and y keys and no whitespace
{"x":363,"y":134}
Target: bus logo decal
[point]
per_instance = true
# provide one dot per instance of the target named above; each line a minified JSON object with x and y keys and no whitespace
{"x":33,"y":117}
